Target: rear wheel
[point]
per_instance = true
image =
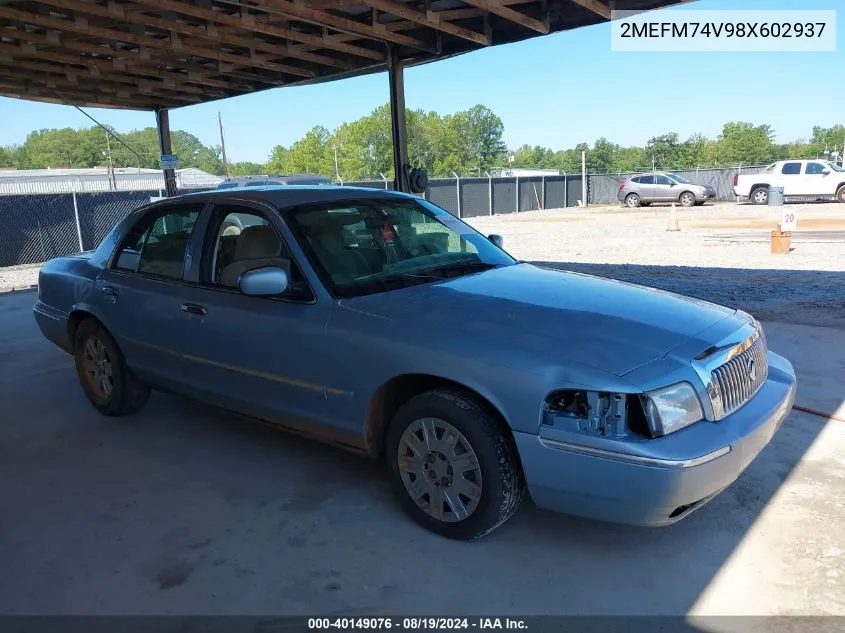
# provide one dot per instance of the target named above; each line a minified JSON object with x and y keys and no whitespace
{"x":109,"y":384}
{"x":840,"y":195}
{"x":632,"y":201}
{"x":453,"y":468}
{"x":687,"y":199}
{"x":760,"y":195}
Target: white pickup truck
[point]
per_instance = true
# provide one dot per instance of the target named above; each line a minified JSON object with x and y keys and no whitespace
{"x":808,"y":179}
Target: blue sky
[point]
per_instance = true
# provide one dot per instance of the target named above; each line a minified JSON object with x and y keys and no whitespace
{"x":555,"y":91}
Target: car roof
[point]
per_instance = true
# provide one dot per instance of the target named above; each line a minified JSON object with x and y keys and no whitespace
{"x":283,"y":196}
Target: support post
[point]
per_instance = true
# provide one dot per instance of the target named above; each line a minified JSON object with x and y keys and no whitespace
{"x":399,"y":132}
{"x":489,"y":193}
{"x":78,"y":225}
{"x":565,"y":190}
{"x":543,"y":191}
{"x":165,"y":147}
{"x":516,"y":210}
{"x":458,"y":189}
{"x":584,"y":178}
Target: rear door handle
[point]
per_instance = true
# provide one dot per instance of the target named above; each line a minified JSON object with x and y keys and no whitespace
{"x":194,"y":308}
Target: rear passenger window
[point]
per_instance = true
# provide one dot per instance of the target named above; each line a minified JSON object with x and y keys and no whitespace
{"x":157,"y":244}
{"x":791,"y":169}
{"x":647,"y":180}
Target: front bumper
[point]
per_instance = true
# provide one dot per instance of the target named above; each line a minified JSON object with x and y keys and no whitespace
{"x":707,"y":195}
{"x":661,"y":481}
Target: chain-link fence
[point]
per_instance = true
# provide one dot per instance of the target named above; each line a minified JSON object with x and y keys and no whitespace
{"x":603,"y":187}
{"x":38,"y":227}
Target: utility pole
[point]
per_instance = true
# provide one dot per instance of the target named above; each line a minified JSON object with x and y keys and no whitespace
{"x":336,"y":170}
{"x":112,"y":181}
{"x":223,"y":146}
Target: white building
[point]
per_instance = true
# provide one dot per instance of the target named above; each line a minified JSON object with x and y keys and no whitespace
{"x":29,"y":181}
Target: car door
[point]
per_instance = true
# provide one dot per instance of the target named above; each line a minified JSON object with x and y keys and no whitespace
{"x":646,"y":188}
{"x":663,"y":189}
{"x":815,"y":182}
{"x":262,"y":356}
{"x":791,"y":179}
{"x":140,"y":294}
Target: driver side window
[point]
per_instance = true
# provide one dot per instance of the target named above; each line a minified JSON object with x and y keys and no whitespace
{"x":241,"y":240}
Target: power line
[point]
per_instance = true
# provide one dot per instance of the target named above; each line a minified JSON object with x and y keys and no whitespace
{"x":117,"y":138}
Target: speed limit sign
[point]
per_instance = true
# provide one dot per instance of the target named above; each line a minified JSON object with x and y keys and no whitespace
{"x":788,"y":219}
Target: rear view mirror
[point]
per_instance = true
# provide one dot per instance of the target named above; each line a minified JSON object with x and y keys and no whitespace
{"x":498,"y":240}
{"x":264,"y":282}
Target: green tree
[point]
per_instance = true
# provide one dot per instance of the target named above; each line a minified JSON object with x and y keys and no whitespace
{"x":246,"y":168}
{"x":664,"y":151}
{"x":746,"y":143}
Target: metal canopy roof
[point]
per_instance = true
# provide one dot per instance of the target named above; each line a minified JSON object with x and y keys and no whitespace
{"x":151,"y":54}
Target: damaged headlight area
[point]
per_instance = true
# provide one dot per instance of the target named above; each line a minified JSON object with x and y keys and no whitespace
{"x":672,"y":408}
{"x":618,"y":415}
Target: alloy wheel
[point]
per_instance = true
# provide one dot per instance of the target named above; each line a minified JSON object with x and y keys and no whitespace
{"x":98,"y":367}
{"x":440,"y":470}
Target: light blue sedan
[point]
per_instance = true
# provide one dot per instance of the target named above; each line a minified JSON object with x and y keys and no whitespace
{"x":380,"y":323}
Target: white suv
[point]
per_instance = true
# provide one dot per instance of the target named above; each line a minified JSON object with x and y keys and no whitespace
{"x":815,"y":179}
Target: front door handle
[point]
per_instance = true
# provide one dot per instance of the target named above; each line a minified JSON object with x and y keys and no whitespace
{"x":194,"y":308}
{"x":110,"y":291}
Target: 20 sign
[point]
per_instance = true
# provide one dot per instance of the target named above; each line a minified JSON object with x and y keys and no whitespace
{"x":788,"y":219}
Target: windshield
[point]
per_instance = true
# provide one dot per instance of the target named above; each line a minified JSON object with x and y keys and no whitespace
{"x":371,"y":246}
{"x":680,"y":179}
{"x":836,"y":167}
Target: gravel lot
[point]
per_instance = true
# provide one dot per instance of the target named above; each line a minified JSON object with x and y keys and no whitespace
{"x":721,"y":253}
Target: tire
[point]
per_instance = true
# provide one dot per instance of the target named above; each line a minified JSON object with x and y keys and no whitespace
{"x":632,"y":200}
{"x":474,"y":501}
{"x":760,"y":195}
{"x":106,"y":380}
{"x":840,"y":194}
{"x":687,"y":199}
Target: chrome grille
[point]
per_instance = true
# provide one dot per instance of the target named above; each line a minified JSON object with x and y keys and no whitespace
{"x":739,"y":379}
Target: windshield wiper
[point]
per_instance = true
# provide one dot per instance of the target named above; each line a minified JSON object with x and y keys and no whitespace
{"x":462,"y":266}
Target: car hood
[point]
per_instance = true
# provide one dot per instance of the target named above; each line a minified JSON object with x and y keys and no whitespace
{"x":610,"y":325}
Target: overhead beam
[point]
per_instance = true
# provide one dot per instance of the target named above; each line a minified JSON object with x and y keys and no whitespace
{"x":107,"y":66}
{"x":85,"y":28}
{"x":595,"y":6}
{"x":499,"y":8}
{"x":81,"y":76}
{"x":130,"y":61}
{"x":215,"y":35}
{"x":257,"y":26}
{"x":302,"y":11}
{"x":430,"y":19}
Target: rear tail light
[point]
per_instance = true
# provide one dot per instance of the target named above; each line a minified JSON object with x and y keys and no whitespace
{"x":621,"y":187}
{"x":736,"y":179}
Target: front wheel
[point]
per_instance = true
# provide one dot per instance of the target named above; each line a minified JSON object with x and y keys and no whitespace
{"x":687,"y":199}
{"x":453,"y":468}
{"x":840,"y":195}
{"x":106,"y":380}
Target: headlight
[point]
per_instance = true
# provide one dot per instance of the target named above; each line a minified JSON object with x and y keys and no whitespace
{"x":672,"y":408}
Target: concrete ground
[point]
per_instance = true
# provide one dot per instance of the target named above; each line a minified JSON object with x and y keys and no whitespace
{"x":182,"y":509}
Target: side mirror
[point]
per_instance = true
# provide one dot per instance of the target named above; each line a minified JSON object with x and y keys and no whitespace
{"x":264,"y":282}
{"x":825,"y":171}
{"x":498,"y":240}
